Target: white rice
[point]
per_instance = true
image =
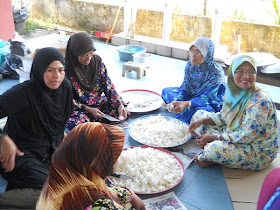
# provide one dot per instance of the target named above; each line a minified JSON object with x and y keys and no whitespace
{"x":159,"y":131}
{"x":152,"y":170}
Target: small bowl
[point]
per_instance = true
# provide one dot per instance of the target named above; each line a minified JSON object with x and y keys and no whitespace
{"x":144,"y":58}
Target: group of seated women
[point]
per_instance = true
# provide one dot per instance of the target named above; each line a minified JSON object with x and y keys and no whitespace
{"x":235,"y":124}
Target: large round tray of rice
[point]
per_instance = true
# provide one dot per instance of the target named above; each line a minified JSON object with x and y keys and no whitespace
{"x":153,"y":170}
{"x":159,"y":131}
{"x":141,"y":101}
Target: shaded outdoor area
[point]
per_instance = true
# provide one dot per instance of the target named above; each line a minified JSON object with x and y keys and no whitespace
{"x":201,"y":188}
{"x":215,"y":187}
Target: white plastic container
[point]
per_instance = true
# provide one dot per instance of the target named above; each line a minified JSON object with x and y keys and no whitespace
{"x":24,"y":73}
{"x":142,"y":58}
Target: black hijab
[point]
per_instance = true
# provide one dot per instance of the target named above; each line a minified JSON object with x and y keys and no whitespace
{"x":37,"y":115}
{"x":52,"y":107}
{"x":86,"y":75}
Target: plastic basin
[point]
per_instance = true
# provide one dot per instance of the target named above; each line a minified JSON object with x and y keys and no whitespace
{"x":126,"y":51}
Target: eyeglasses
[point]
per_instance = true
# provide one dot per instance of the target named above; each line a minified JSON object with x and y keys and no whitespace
{"x":196,"y":52}
{"x":90,"y":55}
{"x":241,"y":72}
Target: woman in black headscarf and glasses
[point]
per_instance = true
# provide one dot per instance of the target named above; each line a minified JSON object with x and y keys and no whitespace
{"x":94,"y":93}
{"x":37,"y":111}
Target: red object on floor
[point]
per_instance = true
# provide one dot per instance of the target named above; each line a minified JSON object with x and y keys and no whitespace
{"x":7,"y":25}
{"x":103,"y":35}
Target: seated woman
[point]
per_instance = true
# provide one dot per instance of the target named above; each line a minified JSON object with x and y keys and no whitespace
{"x":245,"y":133}
{"x":93,"y":92}
{"x":203,"y":86}
{"x":269,"y":198}
{"x":37,"y":111}
{"x":80,"y":167}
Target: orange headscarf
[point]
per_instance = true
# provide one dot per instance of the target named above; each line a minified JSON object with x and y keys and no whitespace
{"x":80,"y":166}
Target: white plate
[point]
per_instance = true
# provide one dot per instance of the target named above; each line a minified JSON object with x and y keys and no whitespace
{"x":141,"y":101}
{"x":262,"y":58}
{"x":150,"y":171}
{"x":272,"y":69}
{"x":152,"y":130}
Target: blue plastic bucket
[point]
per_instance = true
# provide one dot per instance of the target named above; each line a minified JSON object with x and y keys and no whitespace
{"x":126,"y":51}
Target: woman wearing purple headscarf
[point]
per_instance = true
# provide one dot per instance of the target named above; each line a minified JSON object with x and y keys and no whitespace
{"x":203,"y":86}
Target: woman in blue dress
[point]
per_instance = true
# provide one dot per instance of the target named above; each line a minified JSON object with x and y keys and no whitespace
{"x":203,"y":87}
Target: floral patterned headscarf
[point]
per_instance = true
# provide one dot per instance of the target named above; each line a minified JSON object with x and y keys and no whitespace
{"x":235,"y":98}
{"x":80,"y":166}
{"x":205,"y":76}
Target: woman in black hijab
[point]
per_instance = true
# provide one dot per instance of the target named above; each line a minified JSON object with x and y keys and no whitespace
{"x":37,"y":111}
{"x":93,"y":92}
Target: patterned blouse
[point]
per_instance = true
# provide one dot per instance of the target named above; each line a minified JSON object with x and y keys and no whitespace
{"x":253,"y":145}
{"x":103,"y":87}
{"x":123,"y":194}
{"x":103,"y":96}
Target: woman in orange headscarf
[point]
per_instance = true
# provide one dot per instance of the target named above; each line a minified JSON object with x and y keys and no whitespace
{"x":80,"y":167}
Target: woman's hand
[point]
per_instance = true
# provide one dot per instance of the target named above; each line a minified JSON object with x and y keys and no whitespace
{"x":178,"y":106}
{"x":195,"y":125}
{"x":8,"y":153}
{"x":137,"y":203}
{"x":122,"y":113}
{"x":204,"y":139}
{"x":96,"y":113}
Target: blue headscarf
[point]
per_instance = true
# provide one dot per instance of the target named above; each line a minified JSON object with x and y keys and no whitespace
{"x":235,"y":98}
{"x":205,"y":76}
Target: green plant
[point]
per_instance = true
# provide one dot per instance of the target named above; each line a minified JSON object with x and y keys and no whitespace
{"x":276,"y":12}
{"x":237,"y":16}
{"x":32,"y":25}
{"x":51,"y":21}
{"x":178,"y":9}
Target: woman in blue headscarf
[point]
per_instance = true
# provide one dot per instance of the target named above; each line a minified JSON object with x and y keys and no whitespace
{"x":245,"y":133}
{"x":203,"y":85}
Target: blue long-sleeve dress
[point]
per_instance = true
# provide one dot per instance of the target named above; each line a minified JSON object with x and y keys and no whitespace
{"x":203,"y":86}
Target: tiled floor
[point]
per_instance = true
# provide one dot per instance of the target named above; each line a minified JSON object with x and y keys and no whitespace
{"x":201,"y":188}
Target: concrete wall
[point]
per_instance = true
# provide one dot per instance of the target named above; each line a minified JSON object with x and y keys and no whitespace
{"x":149,"y":23}
{"x":78,"y":15}
{"x":254,"y":37}
{"x":185,"y":28}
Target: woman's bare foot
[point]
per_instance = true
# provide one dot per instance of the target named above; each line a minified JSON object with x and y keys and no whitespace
{"x":203,"y":163}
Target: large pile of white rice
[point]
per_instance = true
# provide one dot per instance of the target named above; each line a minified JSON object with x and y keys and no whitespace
{"x":160,"y":131}
{"x":152,"y":170}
